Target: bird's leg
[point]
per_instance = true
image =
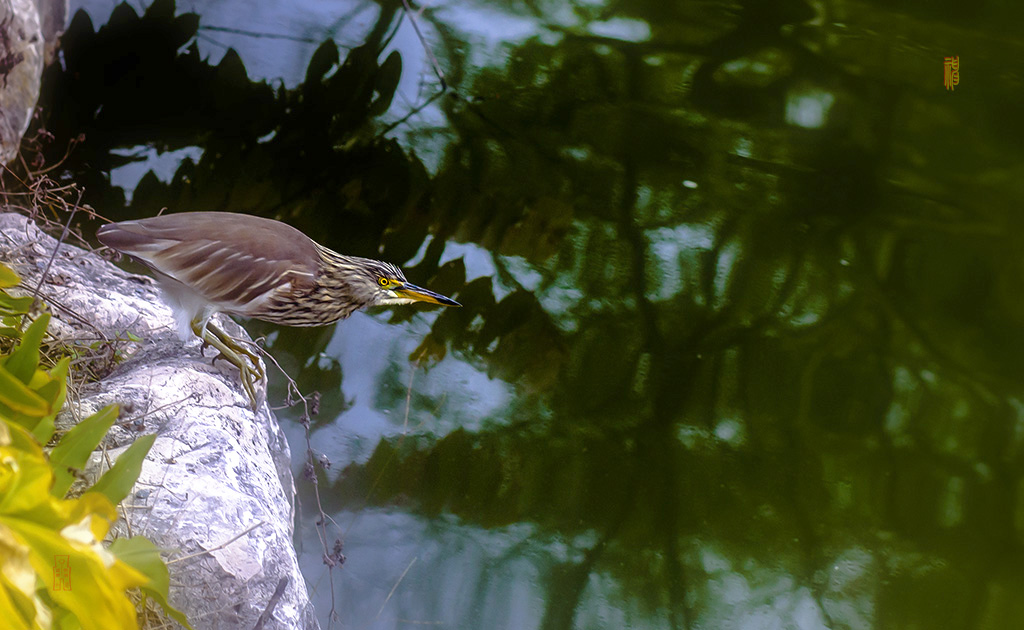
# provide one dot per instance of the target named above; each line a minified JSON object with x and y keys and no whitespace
{"x":250,"y":373}
{"x":237,"y":347}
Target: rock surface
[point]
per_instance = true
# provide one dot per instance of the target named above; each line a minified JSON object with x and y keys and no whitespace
{"x":216,"y":472}
{"x":22,"y":50}
{"x":53,"y":16}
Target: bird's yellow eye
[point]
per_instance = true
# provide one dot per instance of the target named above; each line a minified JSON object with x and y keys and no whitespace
{"x":382,"y":281}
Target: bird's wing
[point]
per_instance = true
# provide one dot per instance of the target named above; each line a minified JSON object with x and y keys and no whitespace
{"x":237,"y":262}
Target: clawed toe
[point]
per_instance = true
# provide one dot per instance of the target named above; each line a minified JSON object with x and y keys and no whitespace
{"x":250,"y":372}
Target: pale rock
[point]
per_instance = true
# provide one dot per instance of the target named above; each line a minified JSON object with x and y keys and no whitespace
{"x":216,"y":469}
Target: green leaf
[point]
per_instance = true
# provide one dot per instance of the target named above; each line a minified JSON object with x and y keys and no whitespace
{"x":53,"y":391}
{"x":44,"y":427}
{"x":142,"y":555}
{"x":56,"y":390}
{"x":77,"y":444}
{"x":22,"y":363}
{"x":10,"y":305}
{"x":117,"y":482}
{"x":27,"y":479}
{"x":7,"y":277}
{"x":20,"y":399}
{"x":97,"y":596}
{"x":16,"y":606}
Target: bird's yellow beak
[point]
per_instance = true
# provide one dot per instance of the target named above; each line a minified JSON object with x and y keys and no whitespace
{"x":419,"y":294}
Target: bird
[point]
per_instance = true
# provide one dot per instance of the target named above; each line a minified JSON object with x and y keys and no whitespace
{"x":254,"y":267}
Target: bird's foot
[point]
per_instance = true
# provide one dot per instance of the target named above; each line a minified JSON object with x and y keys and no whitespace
{"x":250,"y":371}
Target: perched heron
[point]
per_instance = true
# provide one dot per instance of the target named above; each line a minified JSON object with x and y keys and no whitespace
{"x":208,"y":262}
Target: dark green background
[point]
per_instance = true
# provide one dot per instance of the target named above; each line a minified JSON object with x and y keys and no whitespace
{"x":742,"y":335}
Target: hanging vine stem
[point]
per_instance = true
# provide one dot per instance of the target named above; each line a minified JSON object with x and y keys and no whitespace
{"x":332,"y":556}
{"x":423,"y":41}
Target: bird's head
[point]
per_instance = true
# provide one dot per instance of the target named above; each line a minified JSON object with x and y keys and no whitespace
{"x":384,"y":284}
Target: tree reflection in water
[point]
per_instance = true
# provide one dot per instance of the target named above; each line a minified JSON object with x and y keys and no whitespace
{"x":741,"y":329}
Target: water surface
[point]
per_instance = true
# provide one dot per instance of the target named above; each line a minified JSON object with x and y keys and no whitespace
{"x":742,"y":329}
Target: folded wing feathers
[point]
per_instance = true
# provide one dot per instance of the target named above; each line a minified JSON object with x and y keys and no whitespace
{"x":235,"y":281}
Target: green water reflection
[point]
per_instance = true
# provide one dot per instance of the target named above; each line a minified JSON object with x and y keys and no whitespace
{"x":742,"y":324}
